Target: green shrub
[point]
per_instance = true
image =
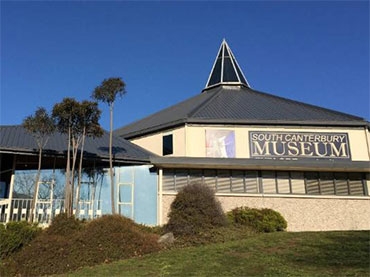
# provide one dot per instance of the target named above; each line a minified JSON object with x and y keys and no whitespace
{"x":63,"y":225}
{"x":15,"y":235}
{"x":60,"y":250}
{"x":195,"y":210}
{"x":260,"y":220}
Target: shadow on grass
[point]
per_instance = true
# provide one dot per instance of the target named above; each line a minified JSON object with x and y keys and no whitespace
{"x":336,"y":250}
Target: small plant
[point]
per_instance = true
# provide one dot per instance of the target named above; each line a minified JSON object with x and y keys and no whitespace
{"x":260,"y":220}
{"x":195,"y":210}
{"x":15,"y":235}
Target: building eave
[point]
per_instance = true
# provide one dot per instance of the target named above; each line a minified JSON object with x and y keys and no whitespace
{"x":259,"y":164}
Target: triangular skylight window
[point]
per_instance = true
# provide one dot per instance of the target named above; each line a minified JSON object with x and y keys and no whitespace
{"x":225,"y":69}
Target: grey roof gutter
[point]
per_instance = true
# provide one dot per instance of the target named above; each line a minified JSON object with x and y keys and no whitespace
{"x":259,"y":164}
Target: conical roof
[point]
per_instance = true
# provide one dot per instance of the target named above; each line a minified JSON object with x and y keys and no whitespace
{"x":226,"y":69}
{"x":228,"y":99}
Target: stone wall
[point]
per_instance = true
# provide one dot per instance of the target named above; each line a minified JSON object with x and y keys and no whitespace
{"x":302,"y":213}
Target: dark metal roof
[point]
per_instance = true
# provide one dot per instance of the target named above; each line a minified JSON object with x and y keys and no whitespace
{"x":238,"y":105}
{"x":228,"y":99}
{"x":15,"y":139}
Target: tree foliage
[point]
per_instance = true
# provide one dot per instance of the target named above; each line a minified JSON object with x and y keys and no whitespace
{"x":107,"y":92}
{"x":41,"y":125}
{"x":77,"y":120}
{"x":109,"y":89}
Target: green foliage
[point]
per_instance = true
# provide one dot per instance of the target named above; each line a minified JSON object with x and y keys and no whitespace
{"x":109,"y":90}
{"x":15,"y":235}
{"x":90,"y":115}
{"x":260,"y":220}
{"x":74,"y":116}
{"x":41,"y":125}
{"x":62,"y":249}
{"x":195,"y":210}
{"x":65,"y":114}
{"x":64,"y":225}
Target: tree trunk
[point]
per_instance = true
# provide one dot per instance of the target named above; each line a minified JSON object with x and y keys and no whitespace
{"x":67,"y":189}
{"x":111,"y":160}
{"x":75,"y":144}
{"x":31,"y":218}
{"x":80,"y":174}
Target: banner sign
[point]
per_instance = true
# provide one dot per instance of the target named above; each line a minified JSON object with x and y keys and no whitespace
{"x":220,"y":143}
{"x":297,"y":145}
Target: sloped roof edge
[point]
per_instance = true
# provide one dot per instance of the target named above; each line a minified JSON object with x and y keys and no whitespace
{"x":260,"y":164}
{"x":16,"y":140}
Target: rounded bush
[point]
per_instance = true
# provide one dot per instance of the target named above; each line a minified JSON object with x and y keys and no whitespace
{"x":194,"y":210}
{"x":260,"y":220}
{"x":63,"y":225}
{"x":15,"y":235}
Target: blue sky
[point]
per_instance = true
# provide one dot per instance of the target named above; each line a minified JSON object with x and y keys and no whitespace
{"x":315,"y":52}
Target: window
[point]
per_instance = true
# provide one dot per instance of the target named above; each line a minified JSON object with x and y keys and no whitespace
{"x":283,"y":183}
{"x":297,"y":182}
{"x":312,"y":183}
{"x":167,"y":145}
{"x":268,"y":182}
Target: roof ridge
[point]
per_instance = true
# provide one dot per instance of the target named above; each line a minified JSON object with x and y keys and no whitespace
{"x":205,"y":102}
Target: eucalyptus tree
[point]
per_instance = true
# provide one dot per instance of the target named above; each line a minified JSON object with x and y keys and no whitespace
{"x":77,"y":120}
{"x":89,"y":116}
{"x":107,"y":92}
{"x":40,"y":125}
{"x":66,"y":114}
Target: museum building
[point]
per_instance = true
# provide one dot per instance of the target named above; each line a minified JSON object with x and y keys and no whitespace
{"x":260,"y":150}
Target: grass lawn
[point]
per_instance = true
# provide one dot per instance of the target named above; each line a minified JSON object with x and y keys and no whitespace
{"x":270,"y":254}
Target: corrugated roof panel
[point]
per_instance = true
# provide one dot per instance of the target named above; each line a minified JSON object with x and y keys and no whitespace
{"x":16,"y":138}
{"x":243,"y":105}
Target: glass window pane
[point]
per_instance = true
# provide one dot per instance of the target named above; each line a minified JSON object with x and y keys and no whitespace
{"x":229,"y":72}
{"x":268,"y":182}
{"x":181,"y":179}
{"x":237,"y":181}
{"x":251,"y":182}
{"x":312,"y":183}
{"x":223,"y":181}
{"x":216,"y":73}
{"x":195,"y":176}
{"x":167,"y":145}
{"x":327,"y":183}
{"x":356,"y":186}
{"x":283,"y":181}
{"x":44,"y":192}
{"x":210,"y":178}
{"x":168,"y":180}
{"x":341,"y":183}
{"x":297,"y":182}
